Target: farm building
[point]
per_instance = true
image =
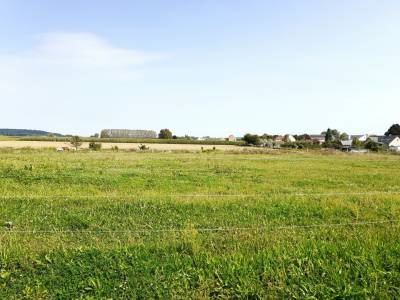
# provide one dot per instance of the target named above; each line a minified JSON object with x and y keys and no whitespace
{"x":128,"y":133}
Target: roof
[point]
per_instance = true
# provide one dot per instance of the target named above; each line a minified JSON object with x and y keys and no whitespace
{"x":358,"y":136}
{"x":386,"y":139}
{"x":317,"y":136}
{"x":347,"y":143}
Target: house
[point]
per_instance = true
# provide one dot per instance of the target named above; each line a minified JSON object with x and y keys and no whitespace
{"x":360,"y":137}
{"x":375,"y":138}
{"x":320,"y":138}
{"x":231,"y":138}
{"x":392,"y":141}
{"x":289,"y":138}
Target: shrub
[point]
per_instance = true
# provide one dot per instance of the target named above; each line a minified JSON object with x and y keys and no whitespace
{"x":94,"y":146}
{"x":301,"y":145}
{"x":333,"y":144}
{"x":143,"y":147}
{"x":356,"y":143}
{"x":76,"y":142}
{"x":371,"y":145}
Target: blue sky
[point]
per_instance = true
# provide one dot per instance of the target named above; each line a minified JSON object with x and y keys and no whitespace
{"x":200,"y":67}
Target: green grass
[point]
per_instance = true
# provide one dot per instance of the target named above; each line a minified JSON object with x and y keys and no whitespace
{"x":136,"y":225}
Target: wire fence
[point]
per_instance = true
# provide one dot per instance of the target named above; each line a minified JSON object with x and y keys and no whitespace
{"x":197,"y":195}
{"x":205,"y":229}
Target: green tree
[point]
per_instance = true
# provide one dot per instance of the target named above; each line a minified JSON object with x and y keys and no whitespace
{"x":356,"y":143}
{"x":165,"y":134}
{"x":104,"y":134}
{"x":76,"y":142}
{"x":393,"y":130}
{"x":344,"y":136}
{"x":252,"y":139}
{"x":329,"y":136}
{"x":371,"y":145}
{"x":336,"y":134}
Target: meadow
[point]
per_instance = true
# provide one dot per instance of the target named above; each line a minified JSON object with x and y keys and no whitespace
{"x":111,"y":225}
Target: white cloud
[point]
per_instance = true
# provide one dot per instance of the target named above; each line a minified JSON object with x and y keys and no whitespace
{"x":61,"y":55}
{"x":85,"y":49}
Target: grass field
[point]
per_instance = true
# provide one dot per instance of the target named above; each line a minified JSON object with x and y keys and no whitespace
{"x":102,"y":225}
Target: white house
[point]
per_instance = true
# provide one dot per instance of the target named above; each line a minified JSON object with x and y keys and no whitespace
{"x":392,"y":141}
{"x":395,"y":144}
{"x":361,"y":138}
{"x":231,"y":138}
{"x":289,"y":138}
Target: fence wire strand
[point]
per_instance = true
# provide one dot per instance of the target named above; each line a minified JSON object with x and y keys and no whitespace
{"x":204,"y":229}
{"x":205,"y":195}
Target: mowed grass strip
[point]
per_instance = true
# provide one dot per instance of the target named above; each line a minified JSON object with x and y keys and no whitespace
{"x":129,"y":225}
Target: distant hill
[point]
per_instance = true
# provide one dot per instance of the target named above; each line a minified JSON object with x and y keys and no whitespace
{"x":26,"y":132}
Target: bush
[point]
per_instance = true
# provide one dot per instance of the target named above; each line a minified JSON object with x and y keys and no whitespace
{"x":301,"y":145}
{"x":76,"y":142}
{"x":356,"y":143}
{"x":371,"y":145}
{"x":143,"y":147}
{"x":333,"y":144}
{"x":94,"y":146}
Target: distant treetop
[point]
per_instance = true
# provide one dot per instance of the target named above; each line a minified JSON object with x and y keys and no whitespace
{"x":393,"y":130}
{"x":165,"y":134}
{"x":128,"y":133}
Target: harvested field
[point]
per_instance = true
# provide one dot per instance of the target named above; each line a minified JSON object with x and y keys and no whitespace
{"x":122,"y":146}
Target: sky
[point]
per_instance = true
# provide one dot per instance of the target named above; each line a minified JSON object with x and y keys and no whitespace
{"x":202,"y":68}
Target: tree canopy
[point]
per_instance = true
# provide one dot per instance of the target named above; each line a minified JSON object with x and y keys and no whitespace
{"x":251,"y":139}
{"x":329,"y":136}
{"x":76,"y":141}
{"x":165,"y":134}
{"x":393,"y":130}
